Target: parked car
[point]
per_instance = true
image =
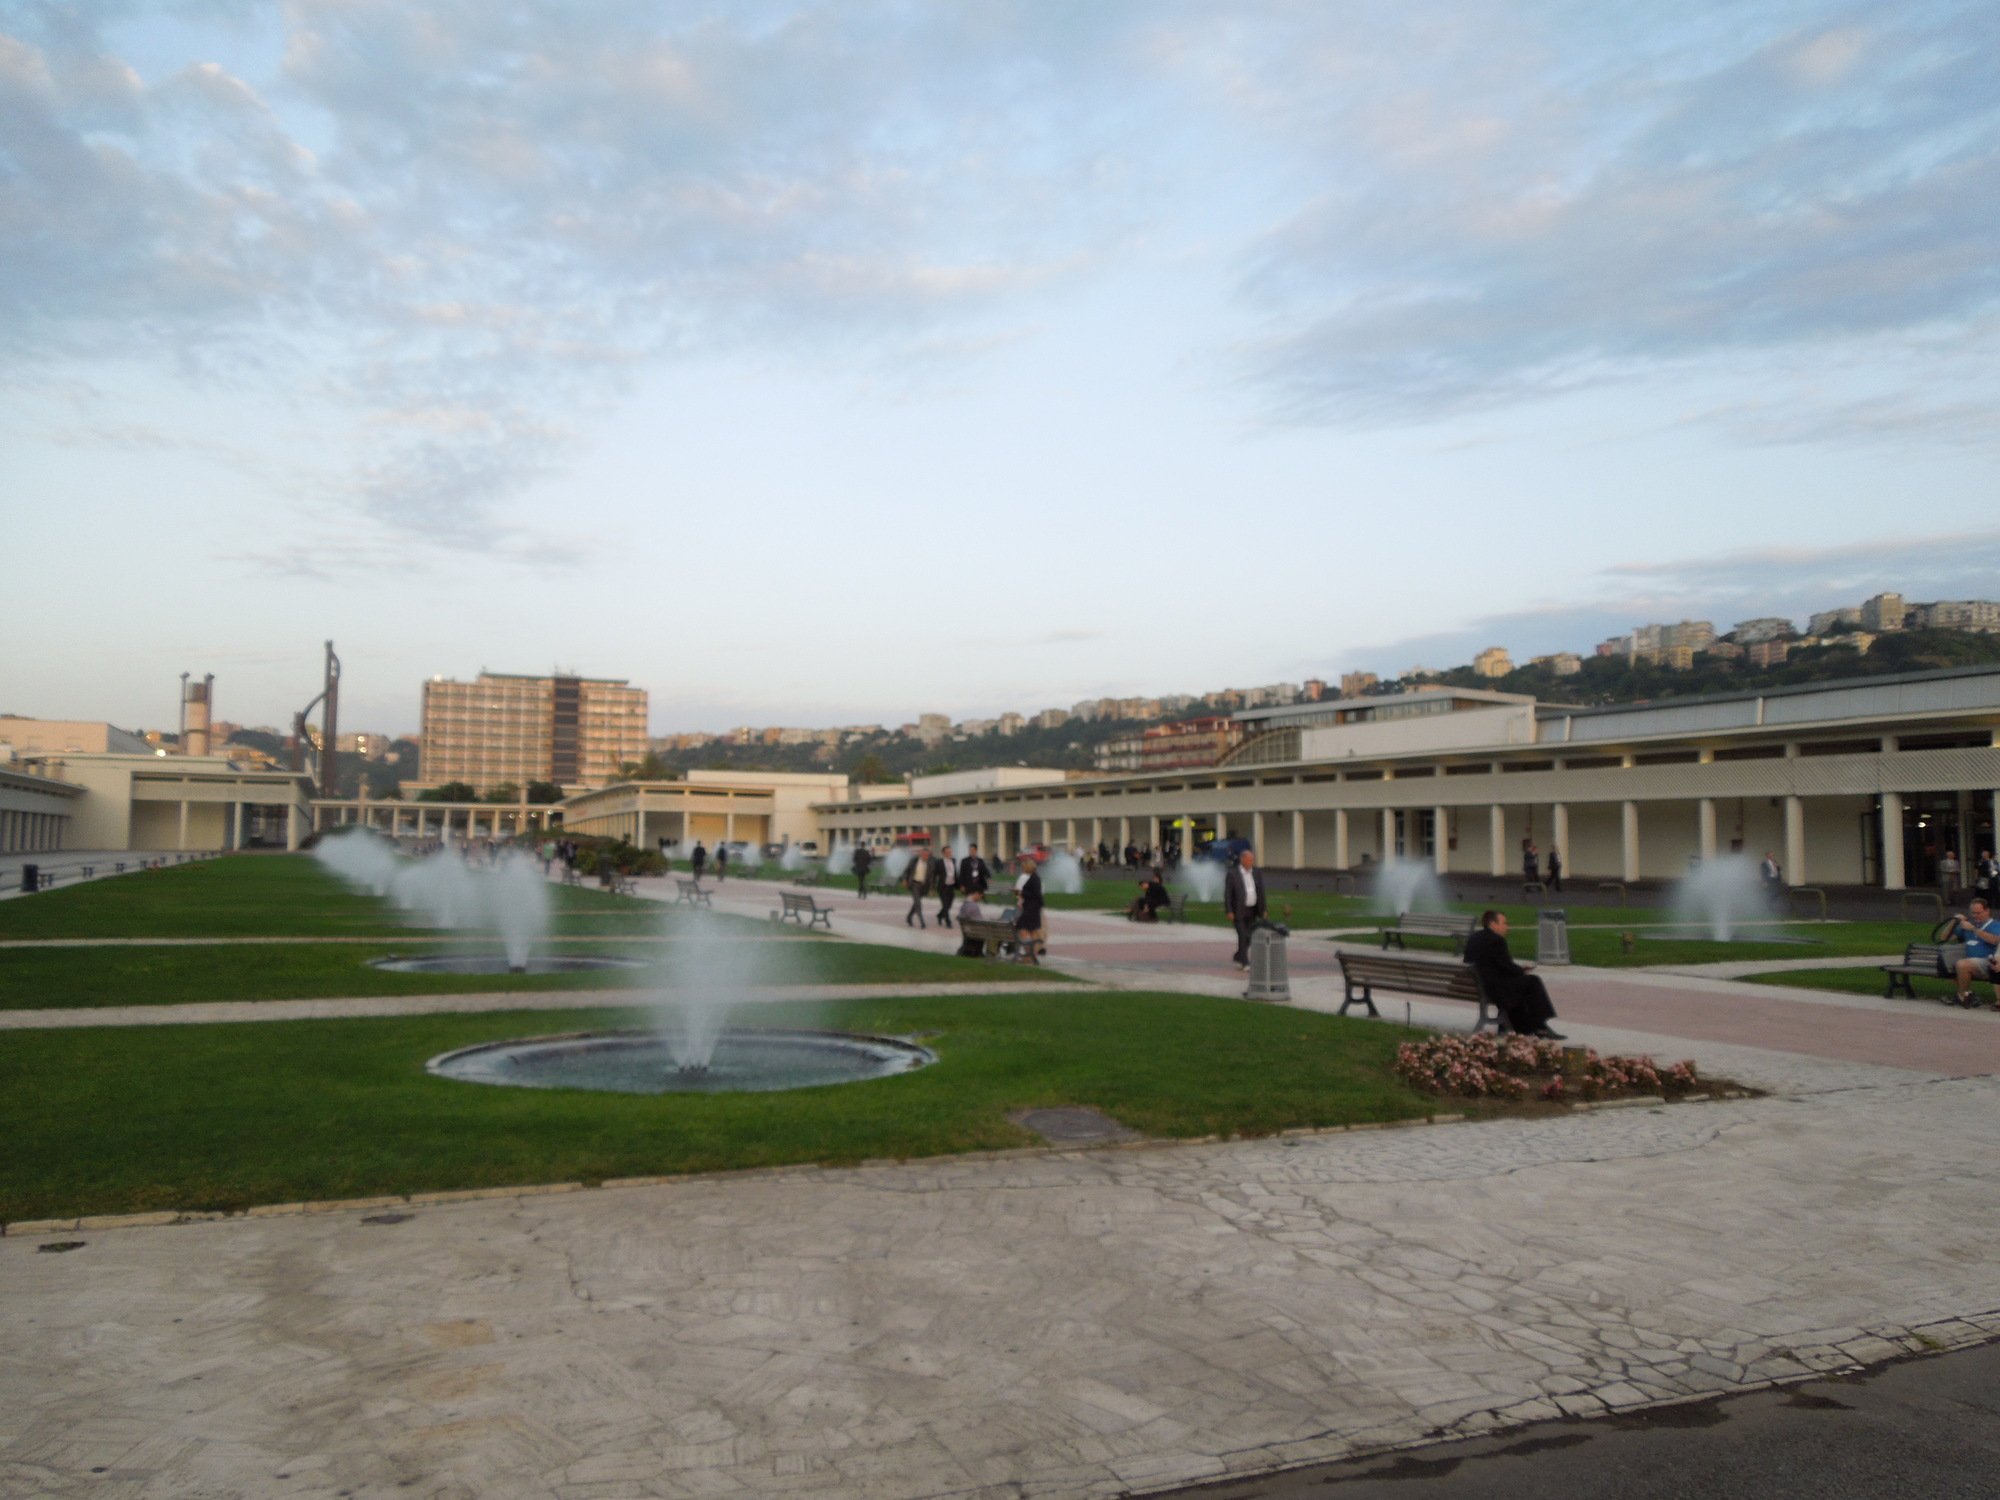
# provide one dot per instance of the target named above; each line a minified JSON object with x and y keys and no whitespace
{"x":1224,"y":851}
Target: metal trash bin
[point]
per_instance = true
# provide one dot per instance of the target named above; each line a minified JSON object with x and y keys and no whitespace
{"x":31,"y":877}
{"x":1552,"y":937}
{"x":1270,"y":972}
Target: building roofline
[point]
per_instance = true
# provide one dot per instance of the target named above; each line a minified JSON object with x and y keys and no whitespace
{"x":1750,"y":695}
{"x":1376,"y":700}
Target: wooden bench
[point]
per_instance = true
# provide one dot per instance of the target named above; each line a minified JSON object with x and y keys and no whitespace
{"x":804,"y":910}
{"x":622,"y":884}
{"x":810,"y":875}
{"x":996,"y":939}
{"x":1426,"y":924}
{"x":690,"y":893}
{"x":1364,"y":973}
{"x":1920,"y":961}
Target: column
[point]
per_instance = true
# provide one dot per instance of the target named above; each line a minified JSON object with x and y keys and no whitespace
{"x":1629,"y":833}
{"x":236,"y":825}
{"x":1892,"y":841}
{"x":1097,"y":832}
{"x":1153,"y":833}
{"x":1496,"y":839}
{"x":1795,"y":841}
{"x":1340,"y":852}
{"x":181,"y":839}
{"x":1298,"y":840}
{"x":1124,"y":838}
{"x":1559,"y":832}
{"x":1388,"y":834}
{"x":641,"y":839}
{"x":1441,"y":838}
{"x":1705,"y":827}
{"x":728,"y":825}
{"x":1069,"y":834}
{"x":1257,"y":833}
{"x":291,"y":825}
{"x":1221,"y":826}
{"x":1000,"y":841}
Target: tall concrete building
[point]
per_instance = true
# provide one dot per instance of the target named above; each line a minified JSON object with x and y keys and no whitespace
{"x":502,"y":728}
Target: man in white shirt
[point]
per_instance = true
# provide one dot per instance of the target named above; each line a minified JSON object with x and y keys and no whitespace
{"x":1243,"y":900}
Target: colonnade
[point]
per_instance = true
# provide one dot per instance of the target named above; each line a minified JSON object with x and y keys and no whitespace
{"x":31,"y":832}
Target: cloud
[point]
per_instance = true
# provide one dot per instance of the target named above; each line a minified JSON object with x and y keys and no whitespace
{"x":1541,"y":208}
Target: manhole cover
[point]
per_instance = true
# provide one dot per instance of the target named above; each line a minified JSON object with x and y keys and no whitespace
{"x":1073,"y":1125}
{"x":57,"y":1247}
{"x":387,"y":1219}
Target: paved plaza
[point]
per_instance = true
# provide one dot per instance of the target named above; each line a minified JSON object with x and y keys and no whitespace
{"x":1059,"y":1322}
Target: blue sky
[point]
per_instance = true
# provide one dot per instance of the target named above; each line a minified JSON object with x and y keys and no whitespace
{"x":841,"y":362}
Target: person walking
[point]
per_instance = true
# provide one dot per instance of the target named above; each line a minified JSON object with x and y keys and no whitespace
{"x":1947,"y":871}
{"x":973,"y":876}
{"x":863,"y":863}
{"x":721,"y":863}
{"x":1988,"y":873}
{"x":1030,"y":934}
{"x":1530,"y":861}
{"x":1555,"y":869}
{"x":699,"y":859}
{"x":1522,"y":999}
{"x":946,"y":884}
{"x":1243,"y":902}
{"x":917,"y":879}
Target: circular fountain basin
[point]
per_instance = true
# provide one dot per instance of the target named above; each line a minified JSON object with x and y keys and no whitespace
{"x":746,"y":1060}
{"x":496,"y":963}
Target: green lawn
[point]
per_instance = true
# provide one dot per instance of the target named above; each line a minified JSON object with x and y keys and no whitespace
{"x":34,"y":978}
{"x":274,"y":895}
{"x":221,"y":1117}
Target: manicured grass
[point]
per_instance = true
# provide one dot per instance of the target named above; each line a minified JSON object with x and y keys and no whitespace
{"x":125,"y":1119}
{"x":35,"y":978}
{"x":288,"y":895}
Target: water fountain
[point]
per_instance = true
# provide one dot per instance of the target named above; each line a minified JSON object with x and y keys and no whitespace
{"x":510,"y":899}
{"x":1406,"y":885}
{"x":1062,"y":873}
{"x":711,"y":966}
{"x":1202,"y":879}
{"x":895,"y":862}
{"x":793,"y":859}
{"x":1722,"y":894}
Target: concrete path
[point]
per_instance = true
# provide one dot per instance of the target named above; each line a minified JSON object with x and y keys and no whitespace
{"x":1051,"y":1324}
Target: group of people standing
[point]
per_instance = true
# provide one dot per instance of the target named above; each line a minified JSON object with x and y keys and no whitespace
{"x":966,"y":879}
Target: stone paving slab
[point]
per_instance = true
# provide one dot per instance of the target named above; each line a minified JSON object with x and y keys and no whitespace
{"x":1076,"y":1324}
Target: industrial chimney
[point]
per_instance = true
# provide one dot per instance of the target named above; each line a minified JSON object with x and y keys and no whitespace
{"x":197,"y":712}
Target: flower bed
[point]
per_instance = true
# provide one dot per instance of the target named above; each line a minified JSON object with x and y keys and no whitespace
{"x":1519,"y":1067}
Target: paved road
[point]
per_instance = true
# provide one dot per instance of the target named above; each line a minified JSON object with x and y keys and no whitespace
{"x":1925,"y":1429}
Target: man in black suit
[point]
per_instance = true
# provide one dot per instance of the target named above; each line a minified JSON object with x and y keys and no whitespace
{"x":973,"y":874}
{"x":1243,"y":900}
{"x":1522,"y":998}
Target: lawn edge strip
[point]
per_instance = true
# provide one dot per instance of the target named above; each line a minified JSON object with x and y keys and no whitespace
{"x":166,"y":1217}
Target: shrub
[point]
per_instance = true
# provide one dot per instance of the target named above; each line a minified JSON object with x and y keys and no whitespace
{"x":1514,"y":1067}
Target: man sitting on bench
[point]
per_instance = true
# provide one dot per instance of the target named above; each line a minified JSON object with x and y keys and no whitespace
{"x":1521,"y":998}
{"x":1979,"y":929}
{"x":1152,"y":896}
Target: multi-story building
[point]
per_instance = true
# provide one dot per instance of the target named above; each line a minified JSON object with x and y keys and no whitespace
{"x":933,"y":728}
{"x":1958,"y":614}
{"x":1680,"y":658}
{"x":1827,"y":620}
{"x":1884,"y":612}
{"x":1052,"y":718}
{"x":1493,"y":662}
{"x":1354,"y":684}
{"x":1120,"y":754}
{"x":1009,"y":723}
{"x":1188,"y":743}
{"x":1725,"y":651}
{"x":1561,"y":664}
{"x":1769,"y":653}
{"x":1695,"y":635}
{"x":367,"y":746}
{"x":504,"y":728}
{"x":1764,"y":628}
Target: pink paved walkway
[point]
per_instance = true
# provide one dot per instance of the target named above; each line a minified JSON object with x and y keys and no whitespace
{"x":1918,"y":1035}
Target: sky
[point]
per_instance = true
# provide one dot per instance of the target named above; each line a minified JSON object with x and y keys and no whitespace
{"x":835,"y":363}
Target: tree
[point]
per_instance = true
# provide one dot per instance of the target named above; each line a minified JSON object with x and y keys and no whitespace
{"x":451,"y":791}
{"x":507,"y":791}
{"x":871,"y":769}
{"x":544,"y":792}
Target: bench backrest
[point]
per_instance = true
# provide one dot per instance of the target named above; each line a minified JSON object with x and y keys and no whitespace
{"x":1927,"y":954}
{"x":1422,"y":976}
{"x":1416,"y":921}
{"x":980,"y":928}
{"x":797,"y":902}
